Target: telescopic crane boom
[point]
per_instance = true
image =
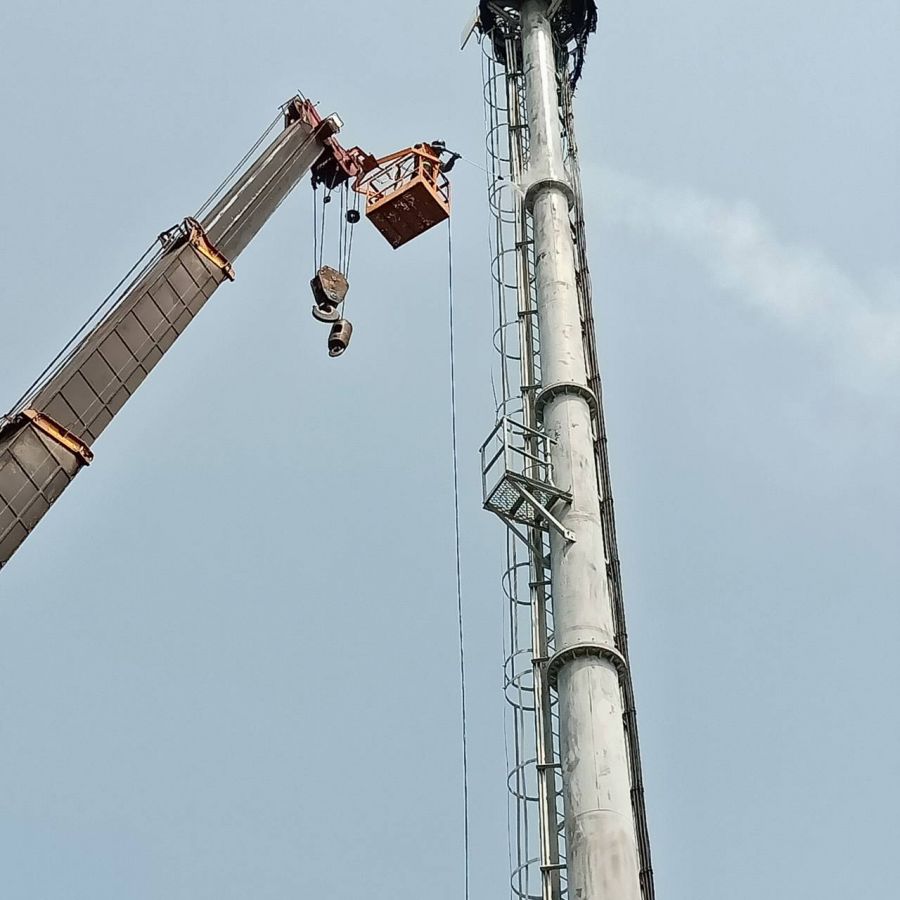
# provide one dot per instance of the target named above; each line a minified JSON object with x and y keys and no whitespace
{"x":47,"y":438}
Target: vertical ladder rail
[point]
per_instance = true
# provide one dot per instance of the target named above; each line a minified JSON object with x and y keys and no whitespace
{"x":538,"y":870}
{"x":546,"y":763}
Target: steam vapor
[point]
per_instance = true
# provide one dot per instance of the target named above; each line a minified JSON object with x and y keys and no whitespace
{"x":797,"y":287}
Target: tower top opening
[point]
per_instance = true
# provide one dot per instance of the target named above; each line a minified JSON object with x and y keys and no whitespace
{"x":574,"y":21}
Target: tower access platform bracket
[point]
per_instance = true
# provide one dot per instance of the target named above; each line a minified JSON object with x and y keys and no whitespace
{"x":517,"y":481}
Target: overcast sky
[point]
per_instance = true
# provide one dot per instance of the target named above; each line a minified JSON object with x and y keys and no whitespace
{"x":228,"y":663}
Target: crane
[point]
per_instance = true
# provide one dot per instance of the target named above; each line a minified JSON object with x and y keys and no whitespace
{"x":47,"y":438}
{"x":575,"y":780}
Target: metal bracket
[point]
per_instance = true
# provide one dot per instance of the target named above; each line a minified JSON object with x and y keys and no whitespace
{"x":568,"y":535}
{"x":62,"y":436}
{"x":576,"y":651}
{"x":470,"y":28}
{"x":197,"y":238}
{"x":563,"y":387}
{"x":543,"y":184}
{"x":545,"y":512}
{"x":517,"y":481}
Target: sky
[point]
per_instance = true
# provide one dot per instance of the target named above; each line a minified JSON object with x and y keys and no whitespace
{"x":228,"y":656}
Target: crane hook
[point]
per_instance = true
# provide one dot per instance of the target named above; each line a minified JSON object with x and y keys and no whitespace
{"x":329,"y":288}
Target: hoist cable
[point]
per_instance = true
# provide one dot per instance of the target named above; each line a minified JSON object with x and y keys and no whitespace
{"x":59,"y":360}
{"x":342,"y":232}
{"x":315,"y":202}
{"x":215,"y":194}
{"x":352,"y":230}
{"x":459,"y":603}
{"x":326,"y":199}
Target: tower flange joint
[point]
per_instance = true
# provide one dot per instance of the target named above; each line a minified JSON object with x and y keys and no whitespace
{"x":544,"y":184}
{"x":563,"y":387}
{"x":582,"y":651}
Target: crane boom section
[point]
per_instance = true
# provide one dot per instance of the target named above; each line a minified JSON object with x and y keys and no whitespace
{"x":47,"y":440}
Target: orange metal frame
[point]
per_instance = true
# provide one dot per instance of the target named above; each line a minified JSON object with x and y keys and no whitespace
{"x":406,"y":193}
{"x":399,"y":170}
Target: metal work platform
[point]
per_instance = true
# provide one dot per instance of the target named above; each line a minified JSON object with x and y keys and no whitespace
{"x":517,"y":481}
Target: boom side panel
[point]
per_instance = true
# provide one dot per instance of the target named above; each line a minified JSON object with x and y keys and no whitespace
{"x":34,"y":471}
{"x":116,"y":358}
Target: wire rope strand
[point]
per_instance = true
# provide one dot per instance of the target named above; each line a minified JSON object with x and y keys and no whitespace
{"x":74,"y":344}
{"x":315,"y":206}
{"x":352,"y":232}
{"x":326,"y":199}
{"x":340,"y":239}
{"x":217,"y":192}
{"x":64,"y":354}
{"x":459,"y":604}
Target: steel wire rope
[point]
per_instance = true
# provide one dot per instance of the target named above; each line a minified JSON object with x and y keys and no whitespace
{"x":64,"y":356}
{"x":348,"y":228}
{"x":326,"y":199}
{"x":61,"y":359}
{"x":354,"y":209}
{"x":315,"y":207}
{"x":454,"y":435}
{"x":341,"y":228}
{"x":117,"y":373}
{"x":55,"y":364}
{"x":225,"y":182}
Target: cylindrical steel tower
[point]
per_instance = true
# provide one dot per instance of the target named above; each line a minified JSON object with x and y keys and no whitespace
{"x":546,"y":475}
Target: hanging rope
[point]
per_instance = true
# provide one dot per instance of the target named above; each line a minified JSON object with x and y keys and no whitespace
{"x":352,"y":209}
{"x":130,"y":279}
{"x":348,"y":215}
{"x":342,"y":228}
{"x":137,"y":271}
{"x":459,"y":605}
{"x":315,"y":203}
{"x":326,"y":199}
{"x":227,"y":179}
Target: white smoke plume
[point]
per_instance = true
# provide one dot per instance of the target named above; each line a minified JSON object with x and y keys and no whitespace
{"x":797,"y":287}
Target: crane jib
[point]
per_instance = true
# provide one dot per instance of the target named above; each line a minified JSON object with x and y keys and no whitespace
{"x":47,"y":442}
